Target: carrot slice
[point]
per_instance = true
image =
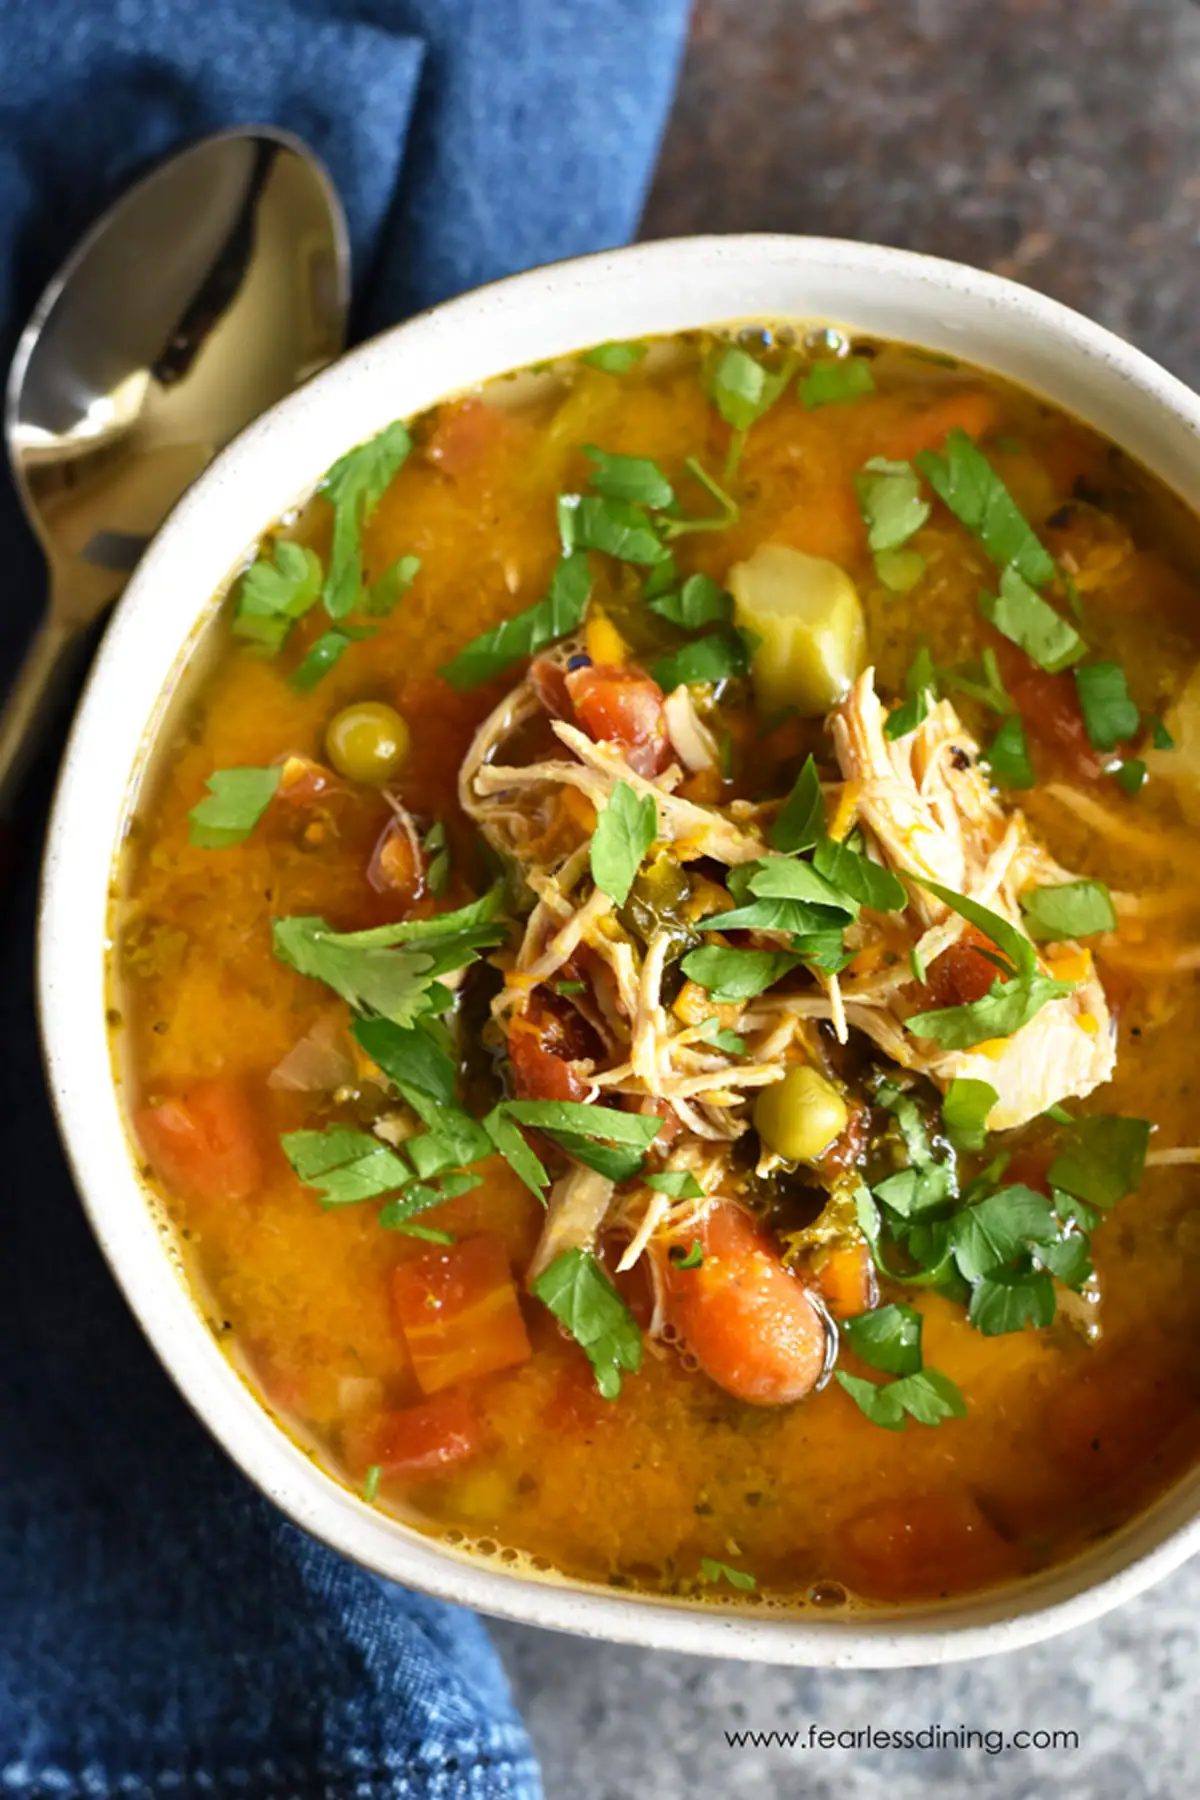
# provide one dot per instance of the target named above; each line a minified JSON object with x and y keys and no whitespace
{"x":969,"y":409}
{"x":418,"y":1440}
{"x":204,"y":1143}
{"x":459,"y":1312}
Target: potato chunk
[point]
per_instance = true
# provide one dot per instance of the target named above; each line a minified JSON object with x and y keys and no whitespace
{"x":807,"y":614}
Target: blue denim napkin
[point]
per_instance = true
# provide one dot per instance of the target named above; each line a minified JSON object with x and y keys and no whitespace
{"x":163,"y":1632}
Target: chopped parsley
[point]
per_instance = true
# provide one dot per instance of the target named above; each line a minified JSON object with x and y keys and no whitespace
{"x":1015,"y":997}
{"x":354,"y":487}
{"x":888,"y":1338}
{"x":680,"y":1184}
{"x":1022,"y":616}
{"x":929,"y":1397}
{"x":1008,"y":755}
{"x":557,"y":616}
{"x":1073,"y":909}
{"x":700,"y":601}
{"x":237,"y":800}
{"x":889,"y":498}
{"x":692,"y":1258}
{"x":801,"y":823}
{"x":344,"y":1165}
{"x":713,"y":1571}
{"x":737,"y":974}
{"x":1109,"y":715}
{"x":614,"y":359}
{"x":964,"y":479}
{"x":322,"y":656}
{"x":836,"y":379}
{"x":625,"y":830}
{"x":721,"y":656}
{"x":584,"y":1301}
{"x":965,"y":1109}
{"x":629,"y":478}
{"x":616,"y":527}
{"x":393,"y":584}
{"x":743,"y":389}
{"x":275,"y":591}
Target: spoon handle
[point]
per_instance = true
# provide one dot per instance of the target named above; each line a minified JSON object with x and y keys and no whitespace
{"x":32,"y":703}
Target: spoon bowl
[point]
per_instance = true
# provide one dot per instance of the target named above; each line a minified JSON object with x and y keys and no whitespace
{"x":209,"y":291}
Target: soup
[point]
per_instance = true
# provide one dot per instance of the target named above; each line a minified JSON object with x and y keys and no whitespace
{"x":655,"y":974}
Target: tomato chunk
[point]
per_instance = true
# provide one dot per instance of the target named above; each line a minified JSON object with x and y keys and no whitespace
{"x":1049,"y":705}
{"x":459,"y":1312}
{"x":751,"y":1325}
{"x":962,"y":973}
{"x":424,"y":1439}
{"x":908,"y":1547}
{"x":625,"y":708}
{"x":204,"y":1142}
{"x":545,"y":1045}
{"x":464,"y":434}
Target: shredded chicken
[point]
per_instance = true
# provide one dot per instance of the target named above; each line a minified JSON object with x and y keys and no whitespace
{"x":575,"y":1214}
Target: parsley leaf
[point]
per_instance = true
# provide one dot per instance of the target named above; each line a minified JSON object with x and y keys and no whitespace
{"x":584,"y":1301}
{"x":617,"y":1161}
{"x":737,"y":974}
{"x":625,"y":830}
{"x":801,"y":823}
{"x":273,"y":595}
{"x":744,"y":389}
{"x":721,"y":656}
{"x":899,"y":570}
{"x":927,"y":1396}
{"x":713,"y":1571}
{"x":680,"y":1184}
{"x":857,"y":876}
{"x":1025,"y":619}
{"x":322,"y":655}
{"x":508,"y":1139}
{"x":700,"y":601}
{"x":632,"y":478}
{"x":1108,"y":712}
{"x":344,"y":1165}
{"x":370,"y":1487}
{"x":559,"y":614}
{"x":1009,"y":1004}
{"x":1104,"y":1159}
{"x":1131,"y":775}
{"x":437,"y":866}
{"x":836,"y":379}
{"x":592,"y":522}
{"x":586,"y":1120}
{"x":981,"y":680}
{"x":1007,"y":1299}
{"x":783,"y":878}
{"x":889,"y":1338}
{"x":614,"y":359}
{"x":964,"y":479}
{"x":1159,"y":735}
{"x":395,"y":581}
{"x":1008,"y":755}
{"x":354,"y":487}
{"x":420,"y":1197}
{"x":965,"y":1110}
{"x":919,"y":683}
{"x":889,"y":498}
{"x":712,"y":1032}
{"x":237,"y":800}
{"x":1073,"y":909}
{"x":994,"y":1230}
{"x":691,"y":1259}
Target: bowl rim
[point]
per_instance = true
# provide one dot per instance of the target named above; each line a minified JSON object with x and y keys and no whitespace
{"x":87,"y":1104}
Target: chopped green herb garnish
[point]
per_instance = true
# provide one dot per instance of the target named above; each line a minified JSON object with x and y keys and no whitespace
{"x":327,"y":650}
{"x":588,"y":1121}
{"x":836,"y":379}
{"x":585,"y":1303}
{"x":1073,"y":909}
{"x":592,"y":522}
{"x":680,"y":1184}
{"x":919,"y":683}
{"x":721,"y":656}
{"x":1160,"y":737}
{"x":964,"y":479}
{"x":889,"y":1338}
{"x":354,"y":487}
{"x":625,"y":830}
{"x":980,"y":680}
{"x":712,"y":1032}
{"x":557,"y":616}
{"x":423,"y":1072}
{"x":1022,"y":616}
{"x":713,"y":1571}
{"x":1015,"y":997}
{"x":344,"y":1165}
{"x":743,"y":391}
{"x":510,"y":1141}
{"x":1008,"y":755}
{"x":1104,"y":1159}
{"x":371,"y":1484}
{"x":274,"y":594}
{"x":680,"y":524}
{"x":899,"y":570}
{"x":567,"y":988}
{"x":858,"y":877}
{"x":1009,"y":1299}
{"x":395,"y":582}
{"x":634,"y":479}
{"x":1108,"y":713}
{"x":889,"y":498}
{"x":801,"y":823}
{"x":437,"y":865}
{"x":996,"y":1229}
{"x":737,"y":974}
{"x":237,"y":800}
{"x":700,"y":601}
{"x":928,"y":1397}
{"x":965,"y":1111}
{"x":1131,"y":776}
{"x":690,"y":1259}
{"x":614,"y":359}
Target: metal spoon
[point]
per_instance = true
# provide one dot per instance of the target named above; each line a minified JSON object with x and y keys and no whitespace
{"x":214,"y":287}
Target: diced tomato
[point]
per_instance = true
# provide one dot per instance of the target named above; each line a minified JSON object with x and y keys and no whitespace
{"x":396,"y":865}
{"x":420,"y":1440}
{"x":625,"y":708}
{"x":670,"y":1128}
{"x":545,"y":1043}
{"x":464,"y":434}
{"x":1049,"y":706}
{"x":962,"y":973}
{"x":459,"y":1312}
{"x":847,"y":1281}
{"x":550,"y":685}
{"x":915,"y":1545}
{"x":750,"y":1324}
{"x":967,"y":409}
{"x":205,"y":1141}
{"x":1028,"y":1166}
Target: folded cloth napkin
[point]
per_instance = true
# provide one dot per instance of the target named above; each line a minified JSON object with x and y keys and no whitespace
{"x":163,"y":1631}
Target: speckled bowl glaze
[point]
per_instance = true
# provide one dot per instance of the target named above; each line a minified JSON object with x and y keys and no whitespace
{"x":650,"y":289}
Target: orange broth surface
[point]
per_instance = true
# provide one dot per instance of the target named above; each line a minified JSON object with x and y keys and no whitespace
{"x":1070,"y":1430}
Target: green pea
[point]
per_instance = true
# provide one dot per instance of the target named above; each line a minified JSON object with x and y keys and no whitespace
{"x":367,"y":742}
{"x":800,"y":1116}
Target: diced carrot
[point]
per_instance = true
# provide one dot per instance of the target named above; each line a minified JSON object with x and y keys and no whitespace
{"x":459,"y":1312}
{"x":847,"y":1281}
{"x":969,"y":409}
{"x":464,"y":434}
{"x":622,"y":707}
{"x":913,"y":1546}
{"x":204,"y":1142}
{"x":420,"y":1440}
{"x":826,"y":521}
{"x":750,"y":1324}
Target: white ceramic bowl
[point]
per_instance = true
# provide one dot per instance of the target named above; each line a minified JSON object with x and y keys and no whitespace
{"x":631,"y":293}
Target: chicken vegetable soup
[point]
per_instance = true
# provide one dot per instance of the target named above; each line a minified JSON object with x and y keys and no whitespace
{"x":655,"y":971}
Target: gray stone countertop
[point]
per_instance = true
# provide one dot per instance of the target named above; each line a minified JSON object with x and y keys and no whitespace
{"x":1057,"y":141}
